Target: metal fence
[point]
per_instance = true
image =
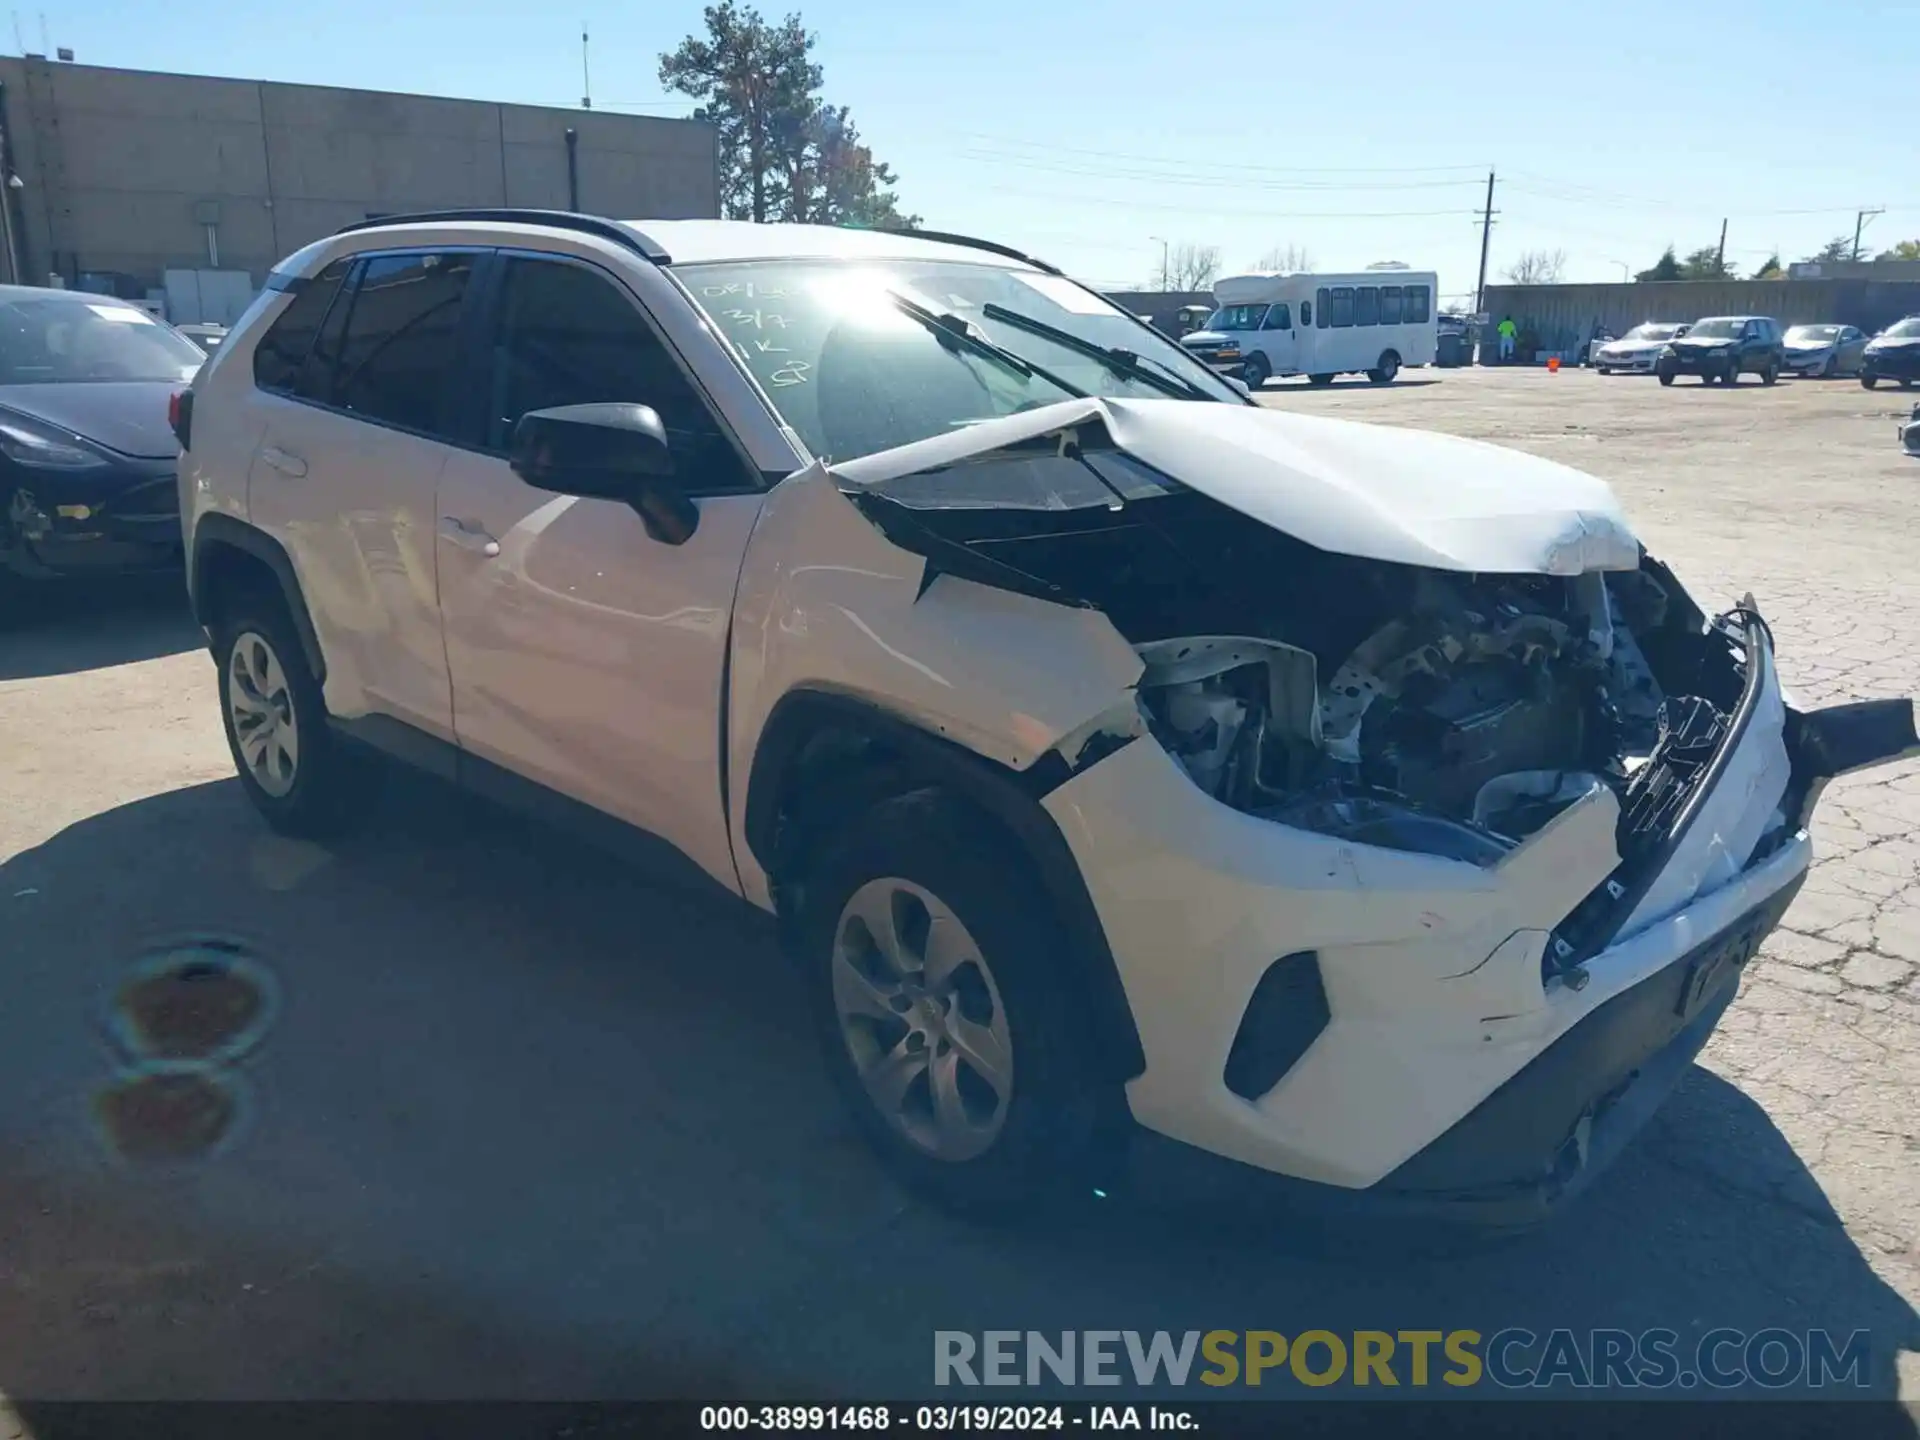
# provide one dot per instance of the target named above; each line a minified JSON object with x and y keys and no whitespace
{"x":1562,"y":318}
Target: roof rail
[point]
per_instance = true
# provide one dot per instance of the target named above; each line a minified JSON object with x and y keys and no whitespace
{"x":595,"y":225}
{"x":948,"y":238}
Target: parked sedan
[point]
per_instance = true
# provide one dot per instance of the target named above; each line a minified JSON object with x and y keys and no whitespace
{"x":1893,"y":354}
{"x":1824,"y":350}
{"x":1638,"y":351}
{"x":87,"y":462}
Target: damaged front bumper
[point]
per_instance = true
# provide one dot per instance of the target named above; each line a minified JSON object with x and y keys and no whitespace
{"x":123,"y":518}
{"x":1478,"y":1040}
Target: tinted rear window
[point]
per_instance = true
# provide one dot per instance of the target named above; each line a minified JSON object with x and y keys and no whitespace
{"x":284,"y":348}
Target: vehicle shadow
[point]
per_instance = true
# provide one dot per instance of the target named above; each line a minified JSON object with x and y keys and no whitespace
{"x":1347,"y":382}
{"x":62,"y":627}
{"x":526,"y":1125}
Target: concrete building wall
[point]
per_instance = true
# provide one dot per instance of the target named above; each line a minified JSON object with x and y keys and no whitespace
{"x":1563,"y":316}
{"x":123,"y":170}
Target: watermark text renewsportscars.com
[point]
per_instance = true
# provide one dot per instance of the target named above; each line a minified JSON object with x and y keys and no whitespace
{"x":1511,"y":1359}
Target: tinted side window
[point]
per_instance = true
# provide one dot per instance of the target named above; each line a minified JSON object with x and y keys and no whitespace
{"x":283,"y":349}
{"x":396,"y":356}
{"x":1366,"y":305}
{"x":1321,"y":298}
{"x":568,"y":336}
{"x":1419,"y":304}
{"x":1339,"y":307}
{"x":1390,"y":304}
{"x":1278,"y":318}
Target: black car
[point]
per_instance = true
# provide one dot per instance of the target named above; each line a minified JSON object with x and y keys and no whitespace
{"x":1893,"y":354}
{"x":87,"y":459}
{"x":1722,"y":346}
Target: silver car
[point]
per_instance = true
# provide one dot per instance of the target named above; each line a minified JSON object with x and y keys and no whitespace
{"x":1824,"y":350}
{"x":1638,"y":350}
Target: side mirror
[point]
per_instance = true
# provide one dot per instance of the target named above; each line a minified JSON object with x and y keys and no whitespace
{"x":610,"y":451}
{"x":1237,"y":383}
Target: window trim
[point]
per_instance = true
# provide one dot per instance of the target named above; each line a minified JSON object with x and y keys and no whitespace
{"x":1320,"y":310}
{"x":1333,"y":294}
{"x":356,"y":265}
{"x":487,"y":314}
{"x":1358,"y":291}
{"x":1399,"y":293}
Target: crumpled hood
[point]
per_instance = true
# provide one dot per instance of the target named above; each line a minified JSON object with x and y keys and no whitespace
{"x":1379,"y":492}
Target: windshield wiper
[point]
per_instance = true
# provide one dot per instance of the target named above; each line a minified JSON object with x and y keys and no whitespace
{"x":1125,"y":363}
{"x":952,"y":330}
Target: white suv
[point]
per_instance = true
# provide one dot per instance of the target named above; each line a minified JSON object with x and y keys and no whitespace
{"x":1137,"y":773}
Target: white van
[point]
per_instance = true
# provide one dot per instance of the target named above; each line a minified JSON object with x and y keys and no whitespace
{"x":1374,"y":322}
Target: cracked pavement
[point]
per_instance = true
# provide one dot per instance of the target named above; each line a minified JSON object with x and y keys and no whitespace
{"x":527,"y":1127}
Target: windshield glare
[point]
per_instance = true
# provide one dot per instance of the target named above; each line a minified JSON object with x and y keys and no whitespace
{"x":1814,"y":332}
{"x":852,"y":374}
{"x":1907,"y":329}
{"x":1715,"y":330}
{"x":1237,"y":317}
{"x":70,"y":340}
{"x":1652,"y":332}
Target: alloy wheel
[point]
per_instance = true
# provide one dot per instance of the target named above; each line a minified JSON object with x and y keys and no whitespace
{"x":260,"y":704}
{"x":922,"y":1019}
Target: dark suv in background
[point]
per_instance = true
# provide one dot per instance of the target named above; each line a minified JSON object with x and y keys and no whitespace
{"x":1722,"y":346}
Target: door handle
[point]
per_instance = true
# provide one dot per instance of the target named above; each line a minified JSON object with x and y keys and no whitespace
{"x":468,"y":537}
{"x":283,"y":462}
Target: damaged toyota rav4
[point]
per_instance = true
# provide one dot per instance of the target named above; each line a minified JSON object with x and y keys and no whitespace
{"x":1140,"y":778}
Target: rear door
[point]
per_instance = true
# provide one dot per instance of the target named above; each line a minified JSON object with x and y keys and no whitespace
{"x":351,"y":452}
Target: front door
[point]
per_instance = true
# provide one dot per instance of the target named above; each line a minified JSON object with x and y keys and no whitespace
{"x":585,"y":655}
{"x":351,"y":447}
{"x":1277,"y":340}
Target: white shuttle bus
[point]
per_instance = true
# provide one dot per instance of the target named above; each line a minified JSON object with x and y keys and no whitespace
{"x":1371,"y":322}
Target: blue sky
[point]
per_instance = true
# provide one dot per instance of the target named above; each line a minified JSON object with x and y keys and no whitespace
{"x":1083,"y":131}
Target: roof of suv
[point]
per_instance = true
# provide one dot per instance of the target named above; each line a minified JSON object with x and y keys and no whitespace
{"x":696,"y":242}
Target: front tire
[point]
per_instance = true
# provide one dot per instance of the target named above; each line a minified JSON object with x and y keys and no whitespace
{"x":1772,"y":373}
{"x":1868,"y":379}
{"x":1665,"y":372}
{"x":1388,"y":367}
{"x":1255,"y":372}
{"x":932,"y":967}
{"x":1604,"y":370}
{"x":289,"y":762}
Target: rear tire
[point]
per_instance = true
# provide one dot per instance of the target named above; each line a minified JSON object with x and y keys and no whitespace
{"x":1868,"y":380}
{"x":1388,"y":367}
{"x":973,"y":1084}
{"x":1320,"y":379}
{"x":1604,"y":370}
{"x":290,"y":764}
{"x":1906,"y":384}
{"x":1255,"y":372}
{"x":1772,"y":373}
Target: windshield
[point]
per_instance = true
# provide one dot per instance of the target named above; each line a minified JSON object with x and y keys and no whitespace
{"x":1715,"y":330}
{"x":1907,"y":329}
{"x":1652,"y":332}
{"x":65,"y":340}
{"x":1237,"y":317}
{"x":1813,"y":333}
{"x":852,"y":370}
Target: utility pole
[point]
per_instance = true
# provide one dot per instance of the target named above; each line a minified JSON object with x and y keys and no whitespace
{"x":1720,"y":258}
{"x":1860,"y":219}
{"x":586,"y":79}
{"x":1166,"y":279}
{"x":1486,"y":235}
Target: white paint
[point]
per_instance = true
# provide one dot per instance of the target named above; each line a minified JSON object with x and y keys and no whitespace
{"x":1431,"y":966}
{"x":1373,"y":491}
{"x":828,"y":603}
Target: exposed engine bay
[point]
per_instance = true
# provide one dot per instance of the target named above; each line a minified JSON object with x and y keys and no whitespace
{"x":1397,"y":705}
{"x":1461,"y":726}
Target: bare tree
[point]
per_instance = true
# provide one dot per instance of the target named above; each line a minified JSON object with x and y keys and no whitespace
{"x":1192,"y":267}
{"x":1289,"y":258}
{"x":1537,"y":267}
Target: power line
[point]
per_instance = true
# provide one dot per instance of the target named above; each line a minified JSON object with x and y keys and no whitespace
{"x":1135,"y":156}
{"x":1188,"y":177}
{"x":1209,"y":212}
